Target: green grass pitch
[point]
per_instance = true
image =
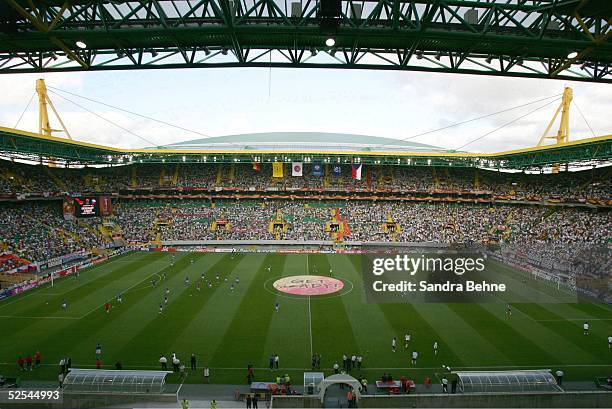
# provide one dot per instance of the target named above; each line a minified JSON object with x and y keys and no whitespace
{"x":227,"y":330}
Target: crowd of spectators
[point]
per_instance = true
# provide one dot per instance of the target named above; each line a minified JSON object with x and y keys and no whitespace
{"x":37,"y":231}
{"x":366,"y":221}
{"x":591,"y":184}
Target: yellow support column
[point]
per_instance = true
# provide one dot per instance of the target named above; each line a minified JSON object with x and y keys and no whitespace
{"x":134,"y":181}
{"x":175,"y":175}
{"x":219,"y":179}
{"x":162,"y":176}
{"x":563,"y":132}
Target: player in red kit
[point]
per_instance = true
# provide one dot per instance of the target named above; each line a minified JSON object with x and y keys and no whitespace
{"x":107,"y":307}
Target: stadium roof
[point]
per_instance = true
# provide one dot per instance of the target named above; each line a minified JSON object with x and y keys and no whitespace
{"x":17,"y":144}
{"x":537,"y":38}
{"x":306,"y":141}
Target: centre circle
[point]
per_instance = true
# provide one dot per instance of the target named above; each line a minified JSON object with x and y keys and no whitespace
{"x":308,"y":285}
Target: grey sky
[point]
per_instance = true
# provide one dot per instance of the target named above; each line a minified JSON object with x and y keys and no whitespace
{"x":380,"y":103}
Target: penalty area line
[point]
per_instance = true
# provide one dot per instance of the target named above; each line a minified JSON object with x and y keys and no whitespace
{"x":125,"y":291}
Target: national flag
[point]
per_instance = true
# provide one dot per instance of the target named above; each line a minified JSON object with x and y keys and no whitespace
{"x":336,"y":170}
{"x":317,"y":169}
{"x":357,"y":171}
{"x":277,"y":169}
{"x":347,"y":230}
{"x":296,"y":169}
{"x":256,"y":166}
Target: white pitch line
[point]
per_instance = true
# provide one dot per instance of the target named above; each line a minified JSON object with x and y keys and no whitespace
{"x":310,"y":325}
{"x":309,"y":312}
{"x":41,"y":290}
{"x":124,"y":291}
{"x":19,"y":299}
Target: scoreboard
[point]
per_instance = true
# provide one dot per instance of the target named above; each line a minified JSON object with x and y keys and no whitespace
{"x":87,"y":206}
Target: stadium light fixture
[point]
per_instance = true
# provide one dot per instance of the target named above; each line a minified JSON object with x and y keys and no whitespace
{"x":330,"y":42}
{"x":81,"y":44}
{"x":572,"y":55}
{"x":206,"y":50}
{"x":224,"y":50}
{"x":313,"y":51}
{"x":184,"y":158}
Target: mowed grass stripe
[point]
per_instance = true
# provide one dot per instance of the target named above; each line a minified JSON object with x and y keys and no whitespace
{"x":245,"y":338}
{"x":370,"y":326}
{"x":290,"y":326}
{"x":83,"y":299}
{"x":49,"y":326}
{"x":557,"y":344}
{"x":139,"y":309}
{"x":459,"y":337}
{"x":62,"y":285}
{"x":574,"y":313}
{"x":55,"y":338}
{"x":157,"y":336}
{"x":585,"y":347}
{"x":523,"y":287}
{"x":75,"y":289}
{"x":402,"y":318}
{"x":203,"y":334}
{"x":331,"y":328}
{"x":593,"y":311}
{"x":518,"y":347}
{"x":123,"y":322}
